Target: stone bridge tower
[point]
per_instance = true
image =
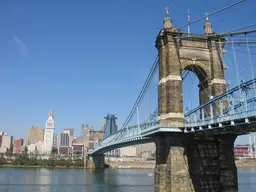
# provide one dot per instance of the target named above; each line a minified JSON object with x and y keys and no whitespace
{"x":190,"y":162}
{"x":200,"y":54}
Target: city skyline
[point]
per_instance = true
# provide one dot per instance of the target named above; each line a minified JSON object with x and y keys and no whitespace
{"x":60,"y":64}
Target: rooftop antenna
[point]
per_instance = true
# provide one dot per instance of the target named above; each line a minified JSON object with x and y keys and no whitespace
{"x":188,"y":21}
{"x":222,"y":9}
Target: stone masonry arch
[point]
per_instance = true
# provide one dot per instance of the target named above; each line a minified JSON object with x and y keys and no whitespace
{"x":176,"y":53}
{"x":202,"y":72}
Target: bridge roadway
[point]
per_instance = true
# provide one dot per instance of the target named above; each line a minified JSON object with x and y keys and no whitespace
{"x":238,"y":118}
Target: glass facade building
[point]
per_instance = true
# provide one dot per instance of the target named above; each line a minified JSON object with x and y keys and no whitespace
{"x":110,"y":126}
{"x":64,"y":140}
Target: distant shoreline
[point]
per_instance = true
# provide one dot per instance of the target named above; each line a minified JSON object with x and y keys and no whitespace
{"x":38,"y":166}
{"x":126,"y":165}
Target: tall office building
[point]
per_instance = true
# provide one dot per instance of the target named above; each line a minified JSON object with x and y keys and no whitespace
{"x":35,"y":134}
{"x":6,"y":143}
{"x":85,"y":131}
{"x":49,"y":133}
{"x":17,"y":144}
{"x":110,"y":126}
{"x":64,"y":140}
{"x":70,"y":133}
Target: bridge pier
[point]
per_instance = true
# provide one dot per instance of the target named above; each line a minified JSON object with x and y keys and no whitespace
{"x":195,"y":163}
{"x":96,"y":161}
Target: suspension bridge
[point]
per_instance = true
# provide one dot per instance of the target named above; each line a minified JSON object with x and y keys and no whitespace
{"x":194,"y":144}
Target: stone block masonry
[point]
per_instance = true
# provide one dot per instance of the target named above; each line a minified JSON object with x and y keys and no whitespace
{"x":195,"y":163}
{"x":95,"y":162}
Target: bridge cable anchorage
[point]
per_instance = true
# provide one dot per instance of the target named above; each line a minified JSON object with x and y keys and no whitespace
{"x":208,"y":15}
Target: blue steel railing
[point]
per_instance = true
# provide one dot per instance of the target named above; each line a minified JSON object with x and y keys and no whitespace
{"x":237,"y":103}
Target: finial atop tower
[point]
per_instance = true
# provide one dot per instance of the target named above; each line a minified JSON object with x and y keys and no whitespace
{"x":167,"y":19}
{"x":207,"y":17}
{"x":50,"y":113}
{"x":167,"y":11}
{"x":207,"y":25}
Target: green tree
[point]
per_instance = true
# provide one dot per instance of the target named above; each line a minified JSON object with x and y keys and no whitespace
{"x":8,"y":153}
{"x":54,"y":150}
{"x":2,"y":160}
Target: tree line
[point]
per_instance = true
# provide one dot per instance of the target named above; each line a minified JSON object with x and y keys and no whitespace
{"x":36,"y":160}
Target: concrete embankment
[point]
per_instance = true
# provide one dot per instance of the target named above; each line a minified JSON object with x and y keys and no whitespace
{"x":246,"y":163}
{"x":132,"y":164}
{"x":151,"y":164}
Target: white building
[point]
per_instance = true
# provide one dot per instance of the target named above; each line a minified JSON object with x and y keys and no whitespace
{"x":49,"y":134}
{"x":6,"y":144}
{"x":36,"y":148}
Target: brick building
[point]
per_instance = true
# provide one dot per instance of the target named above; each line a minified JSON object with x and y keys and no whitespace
{"x":17,"y":144}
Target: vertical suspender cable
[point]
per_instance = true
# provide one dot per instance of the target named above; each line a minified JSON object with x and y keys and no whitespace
{"x":235,"y":59}
{"x":250,"y":60}
{"x":138,"y":119}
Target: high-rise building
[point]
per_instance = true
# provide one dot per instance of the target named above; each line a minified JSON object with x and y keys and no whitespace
{"x":35,"y":134}
{"x":70,"y":133}
{"x":17,"y":144}
{"x":6,"y":144}
{"x":55,"y":141}
{"x":110,"y":126}
{"x":49,"y":133}
{"x":1,"y":138}
{"x":85,"y":131}
{"x":64,"y":140}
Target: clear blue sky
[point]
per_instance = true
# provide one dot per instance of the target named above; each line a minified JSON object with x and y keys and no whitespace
{"x":85,"y":59}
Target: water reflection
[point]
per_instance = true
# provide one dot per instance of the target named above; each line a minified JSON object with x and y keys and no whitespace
{"x":78,"y":180}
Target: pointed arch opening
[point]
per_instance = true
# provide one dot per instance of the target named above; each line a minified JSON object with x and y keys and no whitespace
{"x":195,"y":85}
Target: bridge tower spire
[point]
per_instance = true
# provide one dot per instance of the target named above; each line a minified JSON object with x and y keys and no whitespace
{"x":207,"y":25}
{"x":167,"y":19}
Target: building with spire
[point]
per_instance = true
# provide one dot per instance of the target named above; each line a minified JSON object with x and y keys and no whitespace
{"x":49,"y":133}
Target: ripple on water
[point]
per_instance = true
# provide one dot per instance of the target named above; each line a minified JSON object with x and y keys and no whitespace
{"x":78,"y":180}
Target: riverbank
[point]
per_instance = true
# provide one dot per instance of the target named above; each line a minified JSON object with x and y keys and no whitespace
{"x":151,"y":164}
{"x":39,"y":166}
{"x":132,"y":164}
{"x":246,"y":163}
{"x":126,"y":164}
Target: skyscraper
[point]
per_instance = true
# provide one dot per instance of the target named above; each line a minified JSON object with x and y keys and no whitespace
{"x":70,"y":133}
{"x":110,"y":126}
{"x":49,"y":133}
{"x":64,"y":140}
{"x":85,"y":130}
{"x":35,"y":134}
{"x":18,"y":143}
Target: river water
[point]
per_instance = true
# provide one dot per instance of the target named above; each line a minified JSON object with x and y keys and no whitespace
{"x":78,"y":180}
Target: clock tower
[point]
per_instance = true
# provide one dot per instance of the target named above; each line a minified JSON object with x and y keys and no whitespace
{"x":49,"y":133}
